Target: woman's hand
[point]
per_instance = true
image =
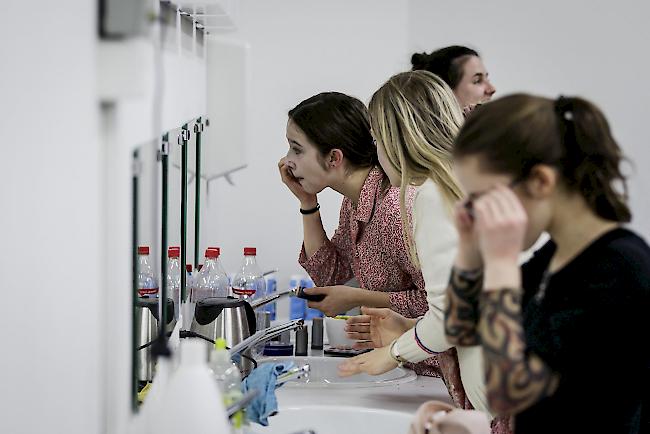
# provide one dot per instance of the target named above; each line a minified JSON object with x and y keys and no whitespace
{"x":375,"y":362}
{"x":338,"y":299}
{"x":307,"y":200}
{"x":377,"y":327}
{"x":501,"y":223}
{"x":469,"y":255}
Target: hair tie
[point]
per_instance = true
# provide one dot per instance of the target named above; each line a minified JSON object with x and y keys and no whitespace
{"x":564,"y":108}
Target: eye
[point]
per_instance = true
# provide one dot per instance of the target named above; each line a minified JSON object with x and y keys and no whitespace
{"x":296,"y":150}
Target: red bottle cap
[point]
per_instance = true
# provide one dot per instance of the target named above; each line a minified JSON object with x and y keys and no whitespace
{"x":212,"y":252}
{"x":174,"y":252}
{"x":188,"y":268}
{"x":143,"y":250}
{"x":250,"y":251}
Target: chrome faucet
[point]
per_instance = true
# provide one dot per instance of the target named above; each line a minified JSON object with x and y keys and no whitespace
{"x":265,"y":335}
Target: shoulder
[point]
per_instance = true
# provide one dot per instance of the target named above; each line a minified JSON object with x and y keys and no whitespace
{"x":390,"y":206}
{"x":624,"y":254}
{"x":346,"y":208}
{"x":430,"y":202}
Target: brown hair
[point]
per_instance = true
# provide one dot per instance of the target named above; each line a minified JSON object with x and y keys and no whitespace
{"x":335,"y":120}
{"x":517,"y":132}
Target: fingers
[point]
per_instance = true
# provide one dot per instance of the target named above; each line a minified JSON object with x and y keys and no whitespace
{"x":358,"y":319}
{"x":317,"y":290}
{"x":497,"y":207}
{"x":351,"y":366}
{"x":359,"y":336}
{"x":381,"y":312}
{"x":364,"y":345}
{"x":358,"y":328}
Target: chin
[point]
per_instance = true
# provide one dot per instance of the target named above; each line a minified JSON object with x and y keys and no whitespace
{"x":312,"y":190}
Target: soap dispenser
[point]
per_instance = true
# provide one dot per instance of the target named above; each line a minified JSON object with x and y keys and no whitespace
{"x":192,"y":402}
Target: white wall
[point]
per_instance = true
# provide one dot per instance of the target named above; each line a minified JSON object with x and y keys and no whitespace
{"x":595,"y":49}
{"x":50,"y":177}
{"x":298,"y":48}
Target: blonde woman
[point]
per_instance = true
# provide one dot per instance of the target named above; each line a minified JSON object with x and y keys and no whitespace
{"x":414,"y":118}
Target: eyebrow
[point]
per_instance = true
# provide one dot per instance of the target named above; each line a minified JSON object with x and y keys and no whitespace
{"x":293,"y":142}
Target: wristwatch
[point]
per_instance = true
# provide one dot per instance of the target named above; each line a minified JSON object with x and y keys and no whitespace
{"x":394,"y":354}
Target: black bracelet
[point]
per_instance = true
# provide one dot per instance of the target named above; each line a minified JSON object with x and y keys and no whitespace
{"x":310,"y":211}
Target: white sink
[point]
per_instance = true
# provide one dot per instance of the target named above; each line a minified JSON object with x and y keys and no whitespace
{"x":324,"y":373}
{"x":325,"y":419}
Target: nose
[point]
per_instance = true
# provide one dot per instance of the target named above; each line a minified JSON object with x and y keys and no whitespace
{"x":490,"y":89}
{"x":290,"y":163}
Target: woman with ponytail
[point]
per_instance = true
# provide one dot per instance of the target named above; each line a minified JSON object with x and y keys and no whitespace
{"x":564,"y":337}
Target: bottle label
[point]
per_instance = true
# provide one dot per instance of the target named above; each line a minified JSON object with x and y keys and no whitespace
{"x":243,"y":291}
{"x":143,"y":292}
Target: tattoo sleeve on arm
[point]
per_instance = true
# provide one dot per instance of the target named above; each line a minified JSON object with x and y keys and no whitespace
{"x":514,"y":380}
{"x":462,"y":311}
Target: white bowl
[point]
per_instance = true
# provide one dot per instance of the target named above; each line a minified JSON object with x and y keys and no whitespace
{"x":336,"y":335}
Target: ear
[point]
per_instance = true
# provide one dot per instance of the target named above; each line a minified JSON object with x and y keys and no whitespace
{"x":541,"y":182}
{"x":334,"y":158}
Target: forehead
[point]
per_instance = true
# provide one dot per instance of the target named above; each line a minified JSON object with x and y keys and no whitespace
{"x":294,"y":133}
{"x":474,"y":65}
{"x":474,"y":178}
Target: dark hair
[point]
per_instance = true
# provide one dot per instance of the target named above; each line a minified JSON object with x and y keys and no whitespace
{"x":333,"y":120}
{"x":447,"y":63}
{"x":517,"y":132}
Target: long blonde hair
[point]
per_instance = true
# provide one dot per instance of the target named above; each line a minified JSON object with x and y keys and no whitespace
{"x":415,"y":117}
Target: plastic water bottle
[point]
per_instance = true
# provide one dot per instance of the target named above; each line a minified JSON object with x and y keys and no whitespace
{"x":147,"y":282}
{"x":271,"y":287}
{"x":297,"y":306}
{"x":249,"y":282}
{"x":174,"y":277}
{"x":310,"y":313}
{"x":212,"y":280}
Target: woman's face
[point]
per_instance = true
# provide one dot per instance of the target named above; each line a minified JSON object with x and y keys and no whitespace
{"x":304,"y":161}
{"x":476,"y":182}
{"x":475,"y":86}
{"x":394,"y":175}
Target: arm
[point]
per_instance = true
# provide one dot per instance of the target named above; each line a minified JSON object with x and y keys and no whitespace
{"x":436,"y":244}
{"x":331,"y":262}
{"x":462,"y":313}
{"x":314,"y":235}
{"x":410,"y":302}
{"x":515,"y":377}
{"x":514,"y":380}
{"x":324,"y":260}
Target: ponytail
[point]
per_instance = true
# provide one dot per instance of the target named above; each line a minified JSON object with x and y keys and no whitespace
{"x":592,"y":158}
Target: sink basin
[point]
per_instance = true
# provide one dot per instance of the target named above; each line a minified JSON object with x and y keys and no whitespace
{"x":324,"y":373}
{"x":324,"y":419}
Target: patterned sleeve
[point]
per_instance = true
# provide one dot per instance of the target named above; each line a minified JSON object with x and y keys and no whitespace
{"x":331,"y":264}
{"x":412,"y":301}
{"x":515,"y":378}
{"x":462,"y":310}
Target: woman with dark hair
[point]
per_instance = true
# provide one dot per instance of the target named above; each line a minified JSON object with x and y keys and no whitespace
{"x":462,"y":69}
{"x":330,"y":145}
{"x":563,"y":336}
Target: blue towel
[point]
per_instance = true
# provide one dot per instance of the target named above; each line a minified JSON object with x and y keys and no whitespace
{"x":264,"y":378}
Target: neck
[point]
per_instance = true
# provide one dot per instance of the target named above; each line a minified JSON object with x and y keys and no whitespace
{"x":573,"y":228}
{"x":351,"y":184}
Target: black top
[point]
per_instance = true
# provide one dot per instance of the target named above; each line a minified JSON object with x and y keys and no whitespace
{"x":590,"y":325}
